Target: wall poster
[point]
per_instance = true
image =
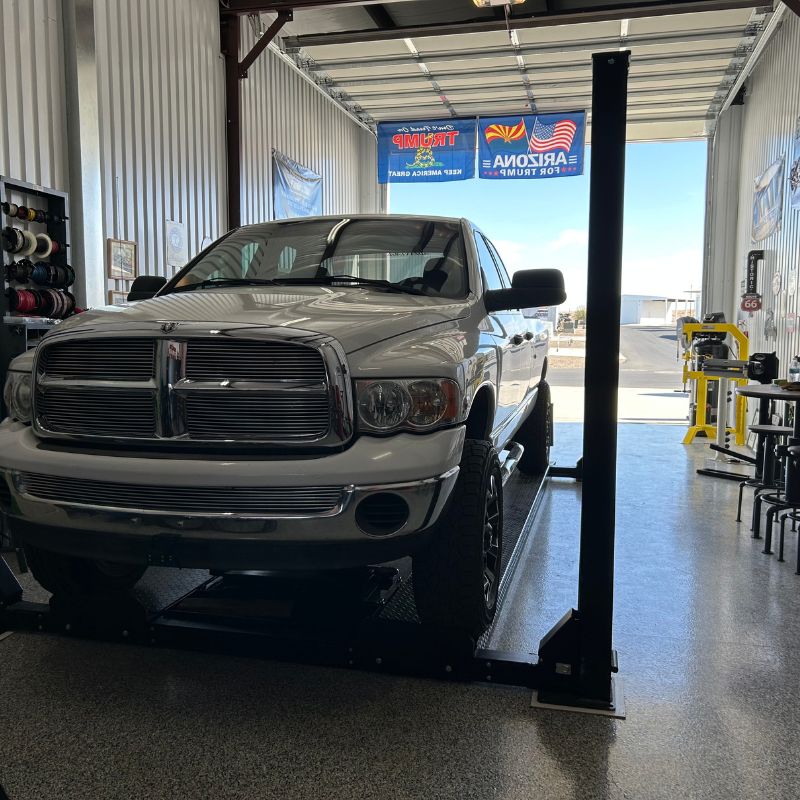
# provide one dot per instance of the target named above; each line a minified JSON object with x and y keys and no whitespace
{"x":768,"y":201}
{"x":794,"y":170}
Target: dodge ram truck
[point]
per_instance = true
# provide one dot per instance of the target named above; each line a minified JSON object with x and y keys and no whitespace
{"x":308,"y":394}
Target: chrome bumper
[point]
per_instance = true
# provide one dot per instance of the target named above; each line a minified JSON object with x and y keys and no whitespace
{"x":425,"y":499}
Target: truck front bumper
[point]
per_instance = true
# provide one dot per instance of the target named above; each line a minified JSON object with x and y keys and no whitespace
{"x":97,"y":518}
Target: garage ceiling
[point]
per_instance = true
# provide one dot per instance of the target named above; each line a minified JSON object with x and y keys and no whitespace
{"x":413,"y":60}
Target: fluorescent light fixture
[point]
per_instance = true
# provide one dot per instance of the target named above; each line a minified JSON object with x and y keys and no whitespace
{"x":488,"y":3}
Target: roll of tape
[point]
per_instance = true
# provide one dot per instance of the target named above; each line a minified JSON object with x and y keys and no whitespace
{"x":22,"y":212}
{"x":56,"y":247}
{"x":29,"y":248}
{"x":44,"y":245}
{"x":41,"y":216}
{"x":31,"y":215}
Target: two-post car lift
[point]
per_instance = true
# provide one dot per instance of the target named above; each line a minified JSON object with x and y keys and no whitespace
{"x":365,"y":619}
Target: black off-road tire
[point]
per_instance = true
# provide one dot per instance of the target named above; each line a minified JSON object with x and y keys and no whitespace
{"x":536,"y":434}
{"x":70,"y":576}
{"x":456,"y":578}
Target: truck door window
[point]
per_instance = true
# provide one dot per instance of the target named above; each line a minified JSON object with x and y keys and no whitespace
{"x":491,"y":275}
{"x":501,"y":268}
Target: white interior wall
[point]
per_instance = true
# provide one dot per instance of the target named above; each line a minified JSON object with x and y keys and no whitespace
{"x":162,"y":115}
{"x":769,"y":119}
{"x":282,"y":109}
{"x":33,"y":144}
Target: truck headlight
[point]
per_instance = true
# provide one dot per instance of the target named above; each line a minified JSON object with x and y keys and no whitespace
{"x":409,"y":404}
{"x":17,"y":396}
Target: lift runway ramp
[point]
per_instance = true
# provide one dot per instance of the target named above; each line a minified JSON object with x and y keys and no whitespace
{"x":363,"y":619}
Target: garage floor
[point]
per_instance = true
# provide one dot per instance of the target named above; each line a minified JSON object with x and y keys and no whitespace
{"x":707,"y":630}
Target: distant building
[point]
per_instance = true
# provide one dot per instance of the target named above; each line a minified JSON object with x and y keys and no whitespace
{"x":646,"y":309}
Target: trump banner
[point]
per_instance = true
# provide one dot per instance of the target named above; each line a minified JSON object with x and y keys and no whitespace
{"x":532,"y":145}
{"x":426,"y":151}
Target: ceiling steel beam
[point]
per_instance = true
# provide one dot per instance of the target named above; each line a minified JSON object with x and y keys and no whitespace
{"x":612,"y":11}
{"x":380,"y":16}
{"x":261,"y":44}
{"x":736,"y":32}
{"x":257,"y":6}
{"x":793,"y":5}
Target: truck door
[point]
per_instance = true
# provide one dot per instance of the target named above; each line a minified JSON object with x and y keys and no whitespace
{"x":525,"y":328}
{"x":508,"y":331}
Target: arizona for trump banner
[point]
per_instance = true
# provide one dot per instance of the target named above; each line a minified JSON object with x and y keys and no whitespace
{"x":532,"y":146}
{"x":426,"y":151}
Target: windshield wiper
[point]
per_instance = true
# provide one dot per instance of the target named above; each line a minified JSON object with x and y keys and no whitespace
{"x":224,"y":282}
{"x":328,"y":280}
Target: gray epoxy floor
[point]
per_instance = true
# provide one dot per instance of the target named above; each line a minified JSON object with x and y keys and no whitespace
{"x":707,"y":630}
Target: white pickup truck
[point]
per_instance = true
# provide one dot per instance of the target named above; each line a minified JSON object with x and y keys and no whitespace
{"x":307,"y":394}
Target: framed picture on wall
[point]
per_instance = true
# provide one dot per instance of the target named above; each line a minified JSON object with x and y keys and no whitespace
{"x":121,"y":260}
{"x":117,"y":298}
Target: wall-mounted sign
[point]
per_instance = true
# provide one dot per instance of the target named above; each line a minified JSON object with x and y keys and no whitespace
{"x":532,"y":146}
{"x":768,"y":201}
{"x":751,"y":299}
{"x":296,"y":190}
{"x":426,"y":151}
{"x":751,"y":303}
{"x":177,"y":244}
{"x":777,"y":283}
{"x":794,"y":170}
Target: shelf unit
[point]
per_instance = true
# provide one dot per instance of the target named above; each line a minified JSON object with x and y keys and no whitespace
{"x":20,"y":332}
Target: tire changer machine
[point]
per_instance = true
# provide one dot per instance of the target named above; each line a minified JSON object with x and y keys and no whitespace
{"x":712,"y":362}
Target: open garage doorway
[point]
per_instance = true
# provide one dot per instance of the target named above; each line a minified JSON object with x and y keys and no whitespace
{"x":545,"y":224}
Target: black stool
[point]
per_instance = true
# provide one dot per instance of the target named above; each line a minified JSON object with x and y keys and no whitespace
{"x":787,"y":500}
{"x":765,"y":478}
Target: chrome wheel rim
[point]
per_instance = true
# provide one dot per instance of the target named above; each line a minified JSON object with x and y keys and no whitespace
{"x":491,"y":543}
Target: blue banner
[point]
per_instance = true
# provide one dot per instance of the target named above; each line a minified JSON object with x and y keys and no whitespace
{"x":426,"y":151}
{"x":532,"y":146}
{"x":296,"y":190}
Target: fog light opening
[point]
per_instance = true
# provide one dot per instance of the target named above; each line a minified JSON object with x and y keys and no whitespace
{"x":382,"y":514}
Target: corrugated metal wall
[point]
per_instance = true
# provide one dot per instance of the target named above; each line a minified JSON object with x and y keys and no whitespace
{"x":281,"y":109}
{"x":162,"y":118}
{"x":770,"y":116}
{"x":33,"y":144}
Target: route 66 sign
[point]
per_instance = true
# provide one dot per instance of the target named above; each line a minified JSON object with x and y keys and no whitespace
{"x":751,"y":302}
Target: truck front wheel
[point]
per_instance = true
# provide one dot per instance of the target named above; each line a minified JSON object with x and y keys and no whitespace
{"x":69,"y":576}
{"x":456,"y":578}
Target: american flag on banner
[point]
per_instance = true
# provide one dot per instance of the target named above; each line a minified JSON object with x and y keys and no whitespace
{"x":557,"y":136}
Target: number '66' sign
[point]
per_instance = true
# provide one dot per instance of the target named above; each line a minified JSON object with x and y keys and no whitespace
{"x":751,"y":302}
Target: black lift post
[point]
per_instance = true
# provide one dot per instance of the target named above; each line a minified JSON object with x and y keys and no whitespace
{"x":576,"y":656}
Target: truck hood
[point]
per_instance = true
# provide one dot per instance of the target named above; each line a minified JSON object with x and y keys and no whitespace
{"x":356,"y":316}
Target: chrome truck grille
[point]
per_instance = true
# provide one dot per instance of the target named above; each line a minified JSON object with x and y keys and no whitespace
{"x":257,"y":501}
{"x":226,"y":389}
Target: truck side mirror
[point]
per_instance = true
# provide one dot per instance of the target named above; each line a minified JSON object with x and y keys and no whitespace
{"x":529,"y":288}
{"x":145,"y":287}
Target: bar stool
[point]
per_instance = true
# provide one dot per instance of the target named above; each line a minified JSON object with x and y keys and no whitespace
{"x":765,"y":478}
{"x":793,"y":453}
{"x":786,"y":500}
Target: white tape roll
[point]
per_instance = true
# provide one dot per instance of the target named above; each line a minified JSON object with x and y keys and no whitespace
{"x":44,"y":245}
{"x":29,"y":247}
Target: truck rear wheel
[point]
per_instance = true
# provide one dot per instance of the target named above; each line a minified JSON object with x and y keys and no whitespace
{"x":456,"y":578}
{"x":536,"y":434}
{"x":68,"y":575}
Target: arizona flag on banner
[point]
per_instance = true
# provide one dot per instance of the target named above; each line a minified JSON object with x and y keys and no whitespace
{"x":532,"y":146}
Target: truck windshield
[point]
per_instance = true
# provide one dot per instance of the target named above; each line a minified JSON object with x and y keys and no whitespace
{"x":420,"y":256}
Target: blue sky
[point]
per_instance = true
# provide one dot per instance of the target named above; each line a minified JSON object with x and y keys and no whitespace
{"x":544,"y":223}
